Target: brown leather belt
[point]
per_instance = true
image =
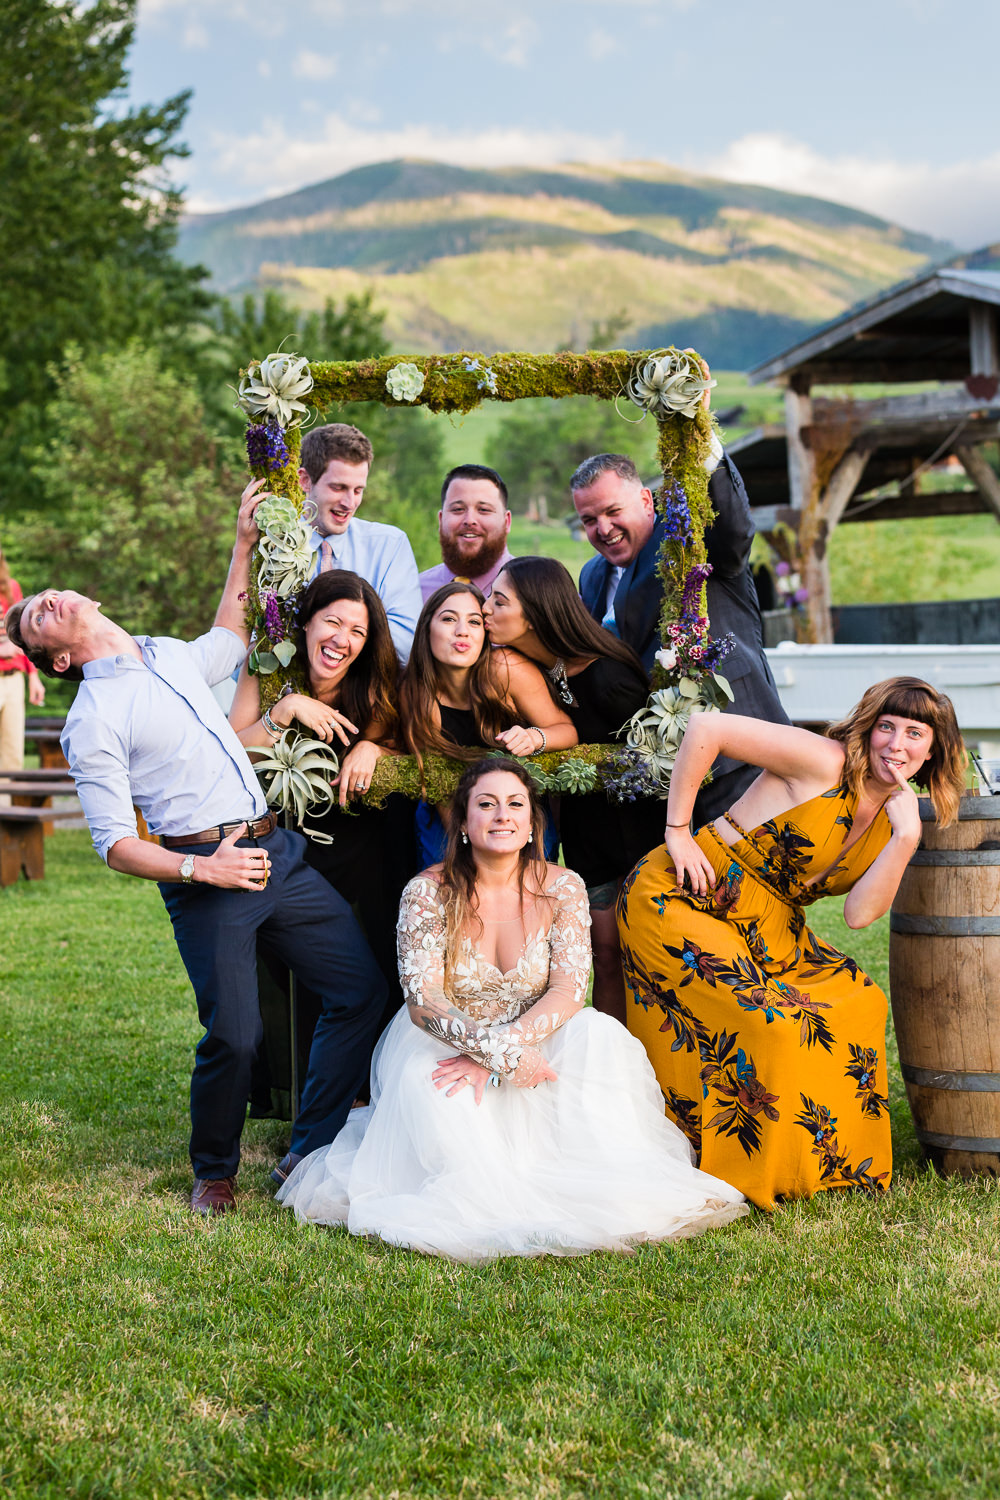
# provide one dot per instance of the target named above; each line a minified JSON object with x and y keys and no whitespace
{"x":258,"y":830}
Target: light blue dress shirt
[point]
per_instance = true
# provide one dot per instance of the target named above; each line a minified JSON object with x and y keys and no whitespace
{"x":383,"y":556}
{"x":150,"y":733}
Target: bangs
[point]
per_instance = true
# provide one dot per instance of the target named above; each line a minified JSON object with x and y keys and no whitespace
{"x":909,"y":698}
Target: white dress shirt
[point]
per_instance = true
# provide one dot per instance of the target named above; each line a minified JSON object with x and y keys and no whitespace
{"x":151,"y":733}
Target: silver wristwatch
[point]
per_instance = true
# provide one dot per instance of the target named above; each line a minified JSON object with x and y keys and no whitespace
{"x":186,"y":870}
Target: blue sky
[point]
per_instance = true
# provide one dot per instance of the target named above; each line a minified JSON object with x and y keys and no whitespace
{"x":871,"y":102}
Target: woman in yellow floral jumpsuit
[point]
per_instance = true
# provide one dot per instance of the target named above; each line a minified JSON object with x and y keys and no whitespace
{"x":768,"y":1044}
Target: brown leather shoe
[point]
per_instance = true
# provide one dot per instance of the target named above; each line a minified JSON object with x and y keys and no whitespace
{"x":213,"y":1195}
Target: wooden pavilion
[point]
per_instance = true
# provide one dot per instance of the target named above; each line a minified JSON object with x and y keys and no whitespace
{"x":835,"y":455}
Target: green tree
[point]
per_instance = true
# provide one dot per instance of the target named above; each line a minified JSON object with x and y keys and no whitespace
{"x":139,"y":506}
{"x":409,"y":448}
{"x":88,"y":217}
{"x":538,"y":444}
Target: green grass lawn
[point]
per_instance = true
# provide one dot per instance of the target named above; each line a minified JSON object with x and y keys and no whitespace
{"x":845,"y":1346}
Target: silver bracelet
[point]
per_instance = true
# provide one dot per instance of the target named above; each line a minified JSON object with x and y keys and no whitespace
{"x":536,"y":729}
{"x":273,"y":729}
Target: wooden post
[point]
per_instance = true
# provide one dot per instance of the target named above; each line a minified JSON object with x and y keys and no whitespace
{"x":818,"y":520}
{"x":983,"y":352}
{"x":982,"y":474}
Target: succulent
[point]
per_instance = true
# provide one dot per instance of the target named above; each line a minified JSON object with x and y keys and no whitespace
{"x":295,"y":773}
{"x":275,"y":514}
{"x":574,"y":776}
{"x":404,"y":382}
{"x":668,"y":381}
{"x":272,"y":388}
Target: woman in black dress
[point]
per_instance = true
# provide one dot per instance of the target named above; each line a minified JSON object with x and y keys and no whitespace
{"x":458,"y":697}
{"x":366,"y":853}
{"x":535,"y":611}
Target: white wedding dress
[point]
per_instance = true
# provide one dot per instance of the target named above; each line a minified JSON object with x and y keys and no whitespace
{"x":587,"y":1162}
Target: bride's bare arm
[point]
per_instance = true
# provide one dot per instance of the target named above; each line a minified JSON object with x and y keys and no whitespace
{"x":506,"y":1049}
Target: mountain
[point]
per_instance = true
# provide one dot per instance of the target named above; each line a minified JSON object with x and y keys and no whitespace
{"x":525,"y":258}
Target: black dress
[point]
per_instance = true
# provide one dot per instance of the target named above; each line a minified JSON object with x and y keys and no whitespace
{"x":603,"y":839}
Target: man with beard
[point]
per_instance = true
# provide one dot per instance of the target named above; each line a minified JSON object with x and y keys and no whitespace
{"x":335,"y":461}
{"x":473,"y":523}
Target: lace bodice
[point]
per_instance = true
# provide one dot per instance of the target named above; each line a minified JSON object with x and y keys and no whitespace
{"x":496,"y":1016}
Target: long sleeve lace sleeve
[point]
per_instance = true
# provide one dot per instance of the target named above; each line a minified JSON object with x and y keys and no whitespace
{"x":506,"y":1047}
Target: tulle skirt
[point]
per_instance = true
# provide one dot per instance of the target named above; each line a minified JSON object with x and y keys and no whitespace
{"x":588,"y":1162}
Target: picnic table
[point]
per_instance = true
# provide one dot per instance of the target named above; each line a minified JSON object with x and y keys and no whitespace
{"x":43,"y":732}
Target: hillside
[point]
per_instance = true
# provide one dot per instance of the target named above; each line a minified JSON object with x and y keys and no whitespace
{"x":531,"y":259}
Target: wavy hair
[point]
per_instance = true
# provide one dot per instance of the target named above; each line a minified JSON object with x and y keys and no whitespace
{"x":368,"y":692}
{"x":561,"y":622}
{"x":458,"y":868}
{"x":943,"y":774}
{"x":423,"y":684}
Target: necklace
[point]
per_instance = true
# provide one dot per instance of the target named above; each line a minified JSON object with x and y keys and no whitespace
{"x":557,"y":676}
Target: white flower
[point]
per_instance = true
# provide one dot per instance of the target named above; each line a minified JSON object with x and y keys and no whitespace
{"x":273,"y":388}
{"x":667,"y":382}
{"x":404,"y":382}
{"x":666,"y":658}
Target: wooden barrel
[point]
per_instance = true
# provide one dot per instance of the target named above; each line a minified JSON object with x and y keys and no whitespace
{"x":944,"y":979}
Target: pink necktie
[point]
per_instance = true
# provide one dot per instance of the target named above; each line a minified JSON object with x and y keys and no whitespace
{"x":325,"y":557}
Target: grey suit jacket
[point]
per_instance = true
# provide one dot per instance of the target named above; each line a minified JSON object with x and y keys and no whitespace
{"x":732,"y":606}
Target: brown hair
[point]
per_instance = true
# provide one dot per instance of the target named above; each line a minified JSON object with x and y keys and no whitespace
{"x":368,"y":691}
{"x":943,"y":774}
{"x":422,"y":686}
{"x":335,"y":440}
{"x":458,"y":868}
{"x":559,"y":618}
{"x":37,"y":655}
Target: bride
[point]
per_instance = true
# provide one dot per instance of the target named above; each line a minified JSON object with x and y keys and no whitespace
{"x":506,"y":1119}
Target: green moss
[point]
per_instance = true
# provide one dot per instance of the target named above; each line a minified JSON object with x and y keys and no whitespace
{"x":450,"y":386}
{"x":441,"y":775}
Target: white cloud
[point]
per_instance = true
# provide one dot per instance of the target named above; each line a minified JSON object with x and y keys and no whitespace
{"x":601,"y":44}
{"x":514,"y":43}
{"x":314,"y":65}
{"x":959,"y":202}
{"x":271,"y":162}
{"x":195,"y":35}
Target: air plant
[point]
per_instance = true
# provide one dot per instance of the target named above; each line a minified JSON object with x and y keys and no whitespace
{"x":271,"y":389}
{"x":666,"y":382}
{"x":295,"y":774}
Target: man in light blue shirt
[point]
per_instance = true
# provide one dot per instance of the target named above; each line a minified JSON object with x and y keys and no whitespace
{"x":335,"y":461}
{"x":146,"y":731}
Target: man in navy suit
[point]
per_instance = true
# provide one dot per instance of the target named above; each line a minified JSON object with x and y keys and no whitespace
{"x":622,"y":589}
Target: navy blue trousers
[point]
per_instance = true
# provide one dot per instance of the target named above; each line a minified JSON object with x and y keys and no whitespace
{"x":304,"y":923}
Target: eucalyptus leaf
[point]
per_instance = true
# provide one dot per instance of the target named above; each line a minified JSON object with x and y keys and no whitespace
{"x":266,"y":662}
{"x":284,"y":651}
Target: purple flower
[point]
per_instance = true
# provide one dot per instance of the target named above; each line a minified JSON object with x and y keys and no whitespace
{"x":273,"y":627}
{"x":676,"y":513}
{"x":783,"y":569}
{"x":266,"y":446}
{"x":800,"y":596}
{"x":691,"y":597}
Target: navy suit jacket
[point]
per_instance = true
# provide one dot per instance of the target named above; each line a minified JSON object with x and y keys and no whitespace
{"x":732,"y":606}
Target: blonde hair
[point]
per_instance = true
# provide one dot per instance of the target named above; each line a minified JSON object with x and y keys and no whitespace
{"x":943,"y":774}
